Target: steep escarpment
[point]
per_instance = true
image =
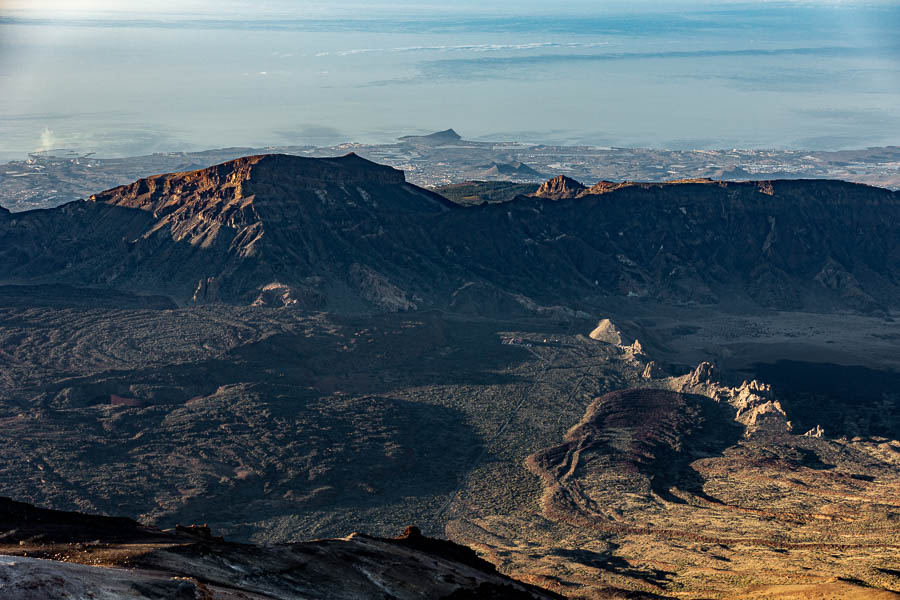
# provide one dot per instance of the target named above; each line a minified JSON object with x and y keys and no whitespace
{"x":347,"y":233}
{"x":221,"y":234}
{"x":787,"y":244}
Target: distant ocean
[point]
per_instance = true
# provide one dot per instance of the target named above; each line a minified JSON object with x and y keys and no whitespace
{"x":763,"y":75}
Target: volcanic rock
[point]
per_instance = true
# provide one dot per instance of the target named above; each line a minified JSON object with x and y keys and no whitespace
{"x":280,"y":295}
{"x":375,"y":242}
{"x":190,"y":562}
{"x":816,"y":432}
{"x":755,"y":405}
{"x":607,"y":332}
{"x":635,"y":349}
{"x":702,"y":374}
{"x":560,"y":187}
{"x":652,"y":371}
{"x":604,"y":187}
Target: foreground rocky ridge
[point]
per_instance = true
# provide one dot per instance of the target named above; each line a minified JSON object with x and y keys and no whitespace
{"x":346,"y":233}
{"x":43,"y":552}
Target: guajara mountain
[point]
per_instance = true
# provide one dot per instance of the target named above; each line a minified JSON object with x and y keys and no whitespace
{"x":348,"y":234}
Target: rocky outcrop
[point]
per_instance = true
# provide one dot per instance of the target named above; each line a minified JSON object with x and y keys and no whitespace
{"x":815,"y":432}
{"x":701,"y":375}
{"x":754,"y":403}
{"x":560,"y":187}
{"x":207,"y":291}
{"x":606,"y":332}
{"x":604,"y":187}
{"x":635,"y":349}
{"x":652,"y":370}
{"x":280,"y":295}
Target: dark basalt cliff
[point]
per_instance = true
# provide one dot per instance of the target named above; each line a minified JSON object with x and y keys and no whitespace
{"x":350,"y":234}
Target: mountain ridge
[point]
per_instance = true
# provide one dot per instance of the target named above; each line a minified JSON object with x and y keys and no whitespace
{"x":348,"y":232}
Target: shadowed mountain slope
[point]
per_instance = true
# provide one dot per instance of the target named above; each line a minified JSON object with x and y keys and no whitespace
{"x":346,"y":233}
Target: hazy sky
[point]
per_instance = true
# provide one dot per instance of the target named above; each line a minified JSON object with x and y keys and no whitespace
{"x":107,"y":76}
{"x":397,"y":8}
